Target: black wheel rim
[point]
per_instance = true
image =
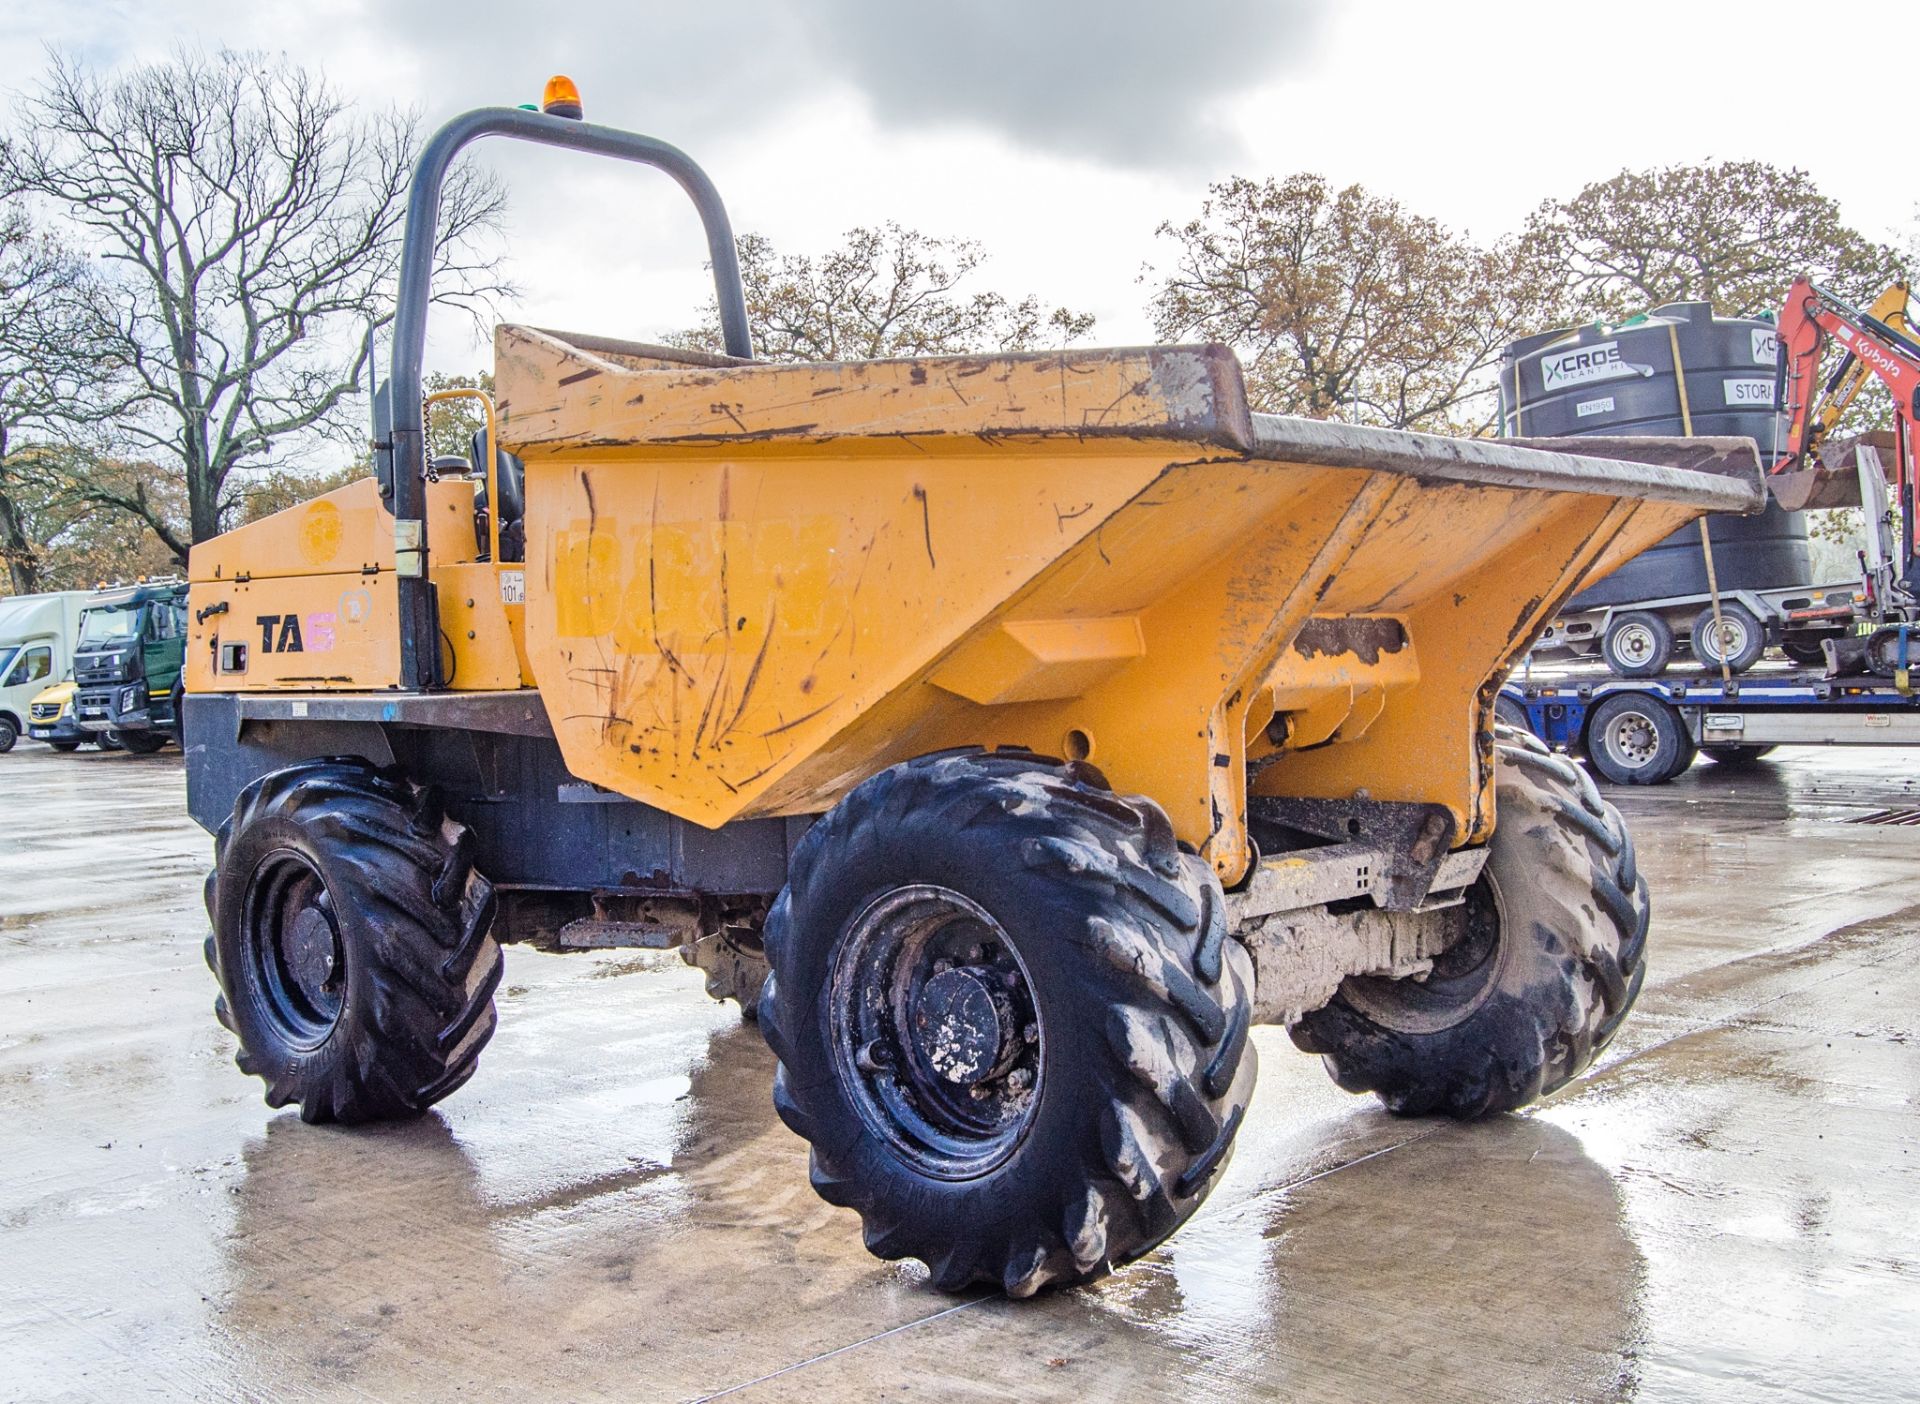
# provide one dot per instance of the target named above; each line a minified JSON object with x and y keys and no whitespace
{"x":936,"y":1035}
{"x":1464,"y":975}
{"x":295,"y":958}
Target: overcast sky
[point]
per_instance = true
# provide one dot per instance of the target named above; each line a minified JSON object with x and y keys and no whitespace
{"x":1058,"y":134}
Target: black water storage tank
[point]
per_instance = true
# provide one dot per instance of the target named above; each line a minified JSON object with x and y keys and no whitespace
{"x":1677,"y":370}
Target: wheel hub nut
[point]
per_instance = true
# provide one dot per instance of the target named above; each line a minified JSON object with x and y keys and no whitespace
{"x":961,"y":1026}
{"x":310,"y":946}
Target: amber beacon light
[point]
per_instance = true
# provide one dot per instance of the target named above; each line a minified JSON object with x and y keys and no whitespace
{"x":562,"y":98}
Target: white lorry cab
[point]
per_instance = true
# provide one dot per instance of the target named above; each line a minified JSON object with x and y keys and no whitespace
{"x":37,"y":634}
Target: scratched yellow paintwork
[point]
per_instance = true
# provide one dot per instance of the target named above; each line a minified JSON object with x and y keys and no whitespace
{"x":749,"y":587}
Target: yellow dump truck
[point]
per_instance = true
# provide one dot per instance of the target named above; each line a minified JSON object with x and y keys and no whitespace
{"x":1010,"y":732}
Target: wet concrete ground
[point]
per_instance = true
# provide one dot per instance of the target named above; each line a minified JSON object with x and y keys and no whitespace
{"x":610,"y":1210}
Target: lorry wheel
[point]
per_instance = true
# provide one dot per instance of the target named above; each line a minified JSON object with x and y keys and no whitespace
{"x":64,"y":746}
{"x":1511,"y":713}
{"x":1739,"y":637}
{"x":1008,"y":1017}
{"x":9,"y":734}
{"x":1735,"y":756}
{"x":144,"y":743}
{"x":1634,"y":739}
{"x":351,"y":941}
{"x":1637,"y":645}
{"x":108,"y":741}
{"x":1551,"y":962}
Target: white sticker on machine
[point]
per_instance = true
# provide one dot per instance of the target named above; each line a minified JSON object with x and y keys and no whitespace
{"x":1749,"y":391}
{"x":513,"y":587}
{"x":1766,"y":346}
{"x":1603,"y":405}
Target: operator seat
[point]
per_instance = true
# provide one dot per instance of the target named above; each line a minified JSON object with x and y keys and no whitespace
{"x":511,"y":474}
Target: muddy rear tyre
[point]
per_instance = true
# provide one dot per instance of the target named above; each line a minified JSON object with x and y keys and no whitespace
{"x":1009,"y":1019}
{"x":351,"y":941}
{"x":1553,"y":962}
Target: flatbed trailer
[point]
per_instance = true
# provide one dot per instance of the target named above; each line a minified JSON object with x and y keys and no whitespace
{"x":1645,"y":731}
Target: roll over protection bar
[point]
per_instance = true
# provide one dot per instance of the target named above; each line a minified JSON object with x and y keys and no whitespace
{"x":404,"y":447}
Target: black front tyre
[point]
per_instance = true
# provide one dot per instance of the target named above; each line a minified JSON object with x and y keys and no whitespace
{"x":351,"y":941}
{"x":9,"y":734}
{"x":1009,"y":1019}
{"x":1552,"y":961}
{"x":64,"y":747}
{"x":144,"y":743}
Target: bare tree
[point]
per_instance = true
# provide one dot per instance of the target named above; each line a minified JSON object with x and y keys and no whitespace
{"x":1734,"y":234}
{"x":250,"y":221}
{"x":52,"y":373}
{"x":1344,"y":305}
{"x":885,"y":292}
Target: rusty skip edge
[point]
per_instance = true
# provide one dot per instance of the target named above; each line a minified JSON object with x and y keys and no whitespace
{"x":1200,"y":394}
{"x":1714,"y":474}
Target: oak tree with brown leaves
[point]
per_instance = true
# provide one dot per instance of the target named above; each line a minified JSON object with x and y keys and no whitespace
{"x":1342,"y":304}
{"x":1733,"y":233}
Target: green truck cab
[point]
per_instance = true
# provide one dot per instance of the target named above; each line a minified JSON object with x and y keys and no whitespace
{"x":127,"y":663}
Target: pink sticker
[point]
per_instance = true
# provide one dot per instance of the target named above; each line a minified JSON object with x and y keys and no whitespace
{"x":319,"y":633}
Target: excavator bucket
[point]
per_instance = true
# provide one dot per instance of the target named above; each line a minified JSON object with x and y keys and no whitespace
{"x":750,"y":586}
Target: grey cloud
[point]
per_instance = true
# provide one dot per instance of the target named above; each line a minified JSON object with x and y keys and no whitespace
{"x":1129,"y":82}
{"x":1126,"y":81}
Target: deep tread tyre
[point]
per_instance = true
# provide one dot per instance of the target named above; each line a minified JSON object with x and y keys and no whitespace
{"x":351,"y":941}
{"x":1746,"y":637}
{"x":1564,"y":965}
{"x":1140,"y":1063}
{"x":1637,"y":645}
{"x":1633,"y":738}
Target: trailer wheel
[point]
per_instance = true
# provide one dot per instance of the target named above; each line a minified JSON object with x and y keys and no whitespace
{"x":1637,"y":645}
{"x":1551,"y":962}
{"x":351,"y":942}
{"x":1009,"y":1019}
{"x":1635,"y":739}
{"x":1735,"y":757}
{"x":1739,"y":638}
{"x":1808,"y":654}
